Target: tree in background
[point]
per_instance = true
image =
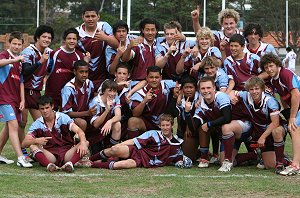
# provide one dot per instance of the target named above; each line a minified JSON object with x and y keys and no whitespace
{"x":62,"y":14}
{"x":271,"y":15}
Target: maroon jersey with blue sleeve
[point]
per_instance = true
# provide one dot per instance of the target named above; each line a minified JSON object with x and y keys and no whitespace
{"x":209,"y":112}
{"x":10,"y":80}
{"x":155,"y":150}
{"x":219,"y":36}
{"x":87,"y":43}
{"x":143,"y":57}
{"x":241,"y":71}
{"x":61,"y":133}
{"x":61,"y":71}
{"x":260,"y":114}
{"x":190,"y":61}
{"x":169,"y":70}
{"x":284,"y":83}
{"x":97,"y":101}
{"x":76,"y":99}
{"x":32,"y":56}
{"x":154,"y":108}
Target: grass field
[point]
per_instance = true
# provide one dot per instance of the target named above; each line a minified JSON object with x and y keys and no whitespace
{"x":141,"y":182}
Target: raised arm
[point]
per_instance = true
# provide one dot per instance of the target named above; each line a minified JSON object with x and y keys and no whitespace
{"x":195,"y":19}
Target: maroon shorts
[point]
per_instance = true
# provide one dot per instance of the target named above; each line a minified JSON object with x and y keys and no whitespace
{"x":135,"y":155}
{"x":31,"y":99}
{"x":59,"y":154}
{"x":93,"y":135}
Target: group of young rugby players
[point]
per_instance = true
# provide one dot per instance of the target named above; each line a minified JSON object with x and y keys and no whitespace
{"x":111,"y":98}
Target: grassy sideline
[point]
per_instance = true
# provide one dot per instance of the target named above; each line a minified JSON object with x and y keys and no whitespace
{"x":141,"y":182}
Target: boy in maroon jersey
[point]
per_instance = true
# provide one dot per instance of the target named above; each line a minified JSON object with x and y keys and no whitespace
{"x":122,"y":75}
{"x":50,"y":138}
{"x":142,"y":54}
{"x":228,"y":19}
{"x":240,"y":66}
{"x":150,"y":150}
{"x":94,"y":38}
{"x":287,"y":85}
{"x":76,"y":95}
{"x":60,"y":65}
{"x":149,"y":103}
{"x":12,"y":100}
{"x":34,"y":69}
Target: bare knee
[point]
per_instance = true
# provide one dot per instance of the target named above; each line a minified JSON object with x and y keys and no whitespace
{"x":278,"y":134}
{"x":226,"y":129}
{"x":134,"y":122}
{"x":114,"y":150}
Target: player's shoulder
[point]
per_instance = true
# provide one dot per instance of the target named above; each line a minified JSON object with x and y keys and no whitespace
{"x":62,"y":116}
{"x":28,"y":50}
{"x":221,"y":95}
{"x":4,"y":54}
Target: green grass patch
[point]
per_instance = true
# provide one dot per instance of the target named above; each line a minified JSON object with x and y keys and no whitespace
{"x":141,"y":182}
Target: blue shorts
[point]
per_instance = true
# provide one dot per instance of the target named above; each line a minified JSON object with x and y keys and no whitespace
{"x":7,"y":113}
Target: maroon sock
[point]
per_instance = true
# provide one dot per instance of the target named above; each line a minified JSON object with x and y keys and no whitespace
{"x":99,"y":156}
{"x":107,"y":165}
{"x":133,"y":133}
{"x":279,"y":149}
{"x":245,"y":157}
{"x":228,"y":141}
{"x":42,"y":159}
{"x":75,"y":158}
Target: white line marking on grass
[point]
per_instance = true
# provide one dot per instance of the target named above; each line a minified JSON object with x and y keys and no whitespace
{"x":156,"y":175}
{"x":53,"y":175}
{"x":213,"y":176}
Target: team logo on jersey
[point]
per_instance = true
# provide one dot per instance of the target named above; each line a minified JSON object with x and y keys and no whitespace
{"x":61,"y":70}
{"x":15,"y":77}
{"x":1,"y":116}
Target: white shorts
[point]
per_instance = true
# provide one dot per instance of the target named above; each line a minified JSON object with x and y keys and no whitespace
{"x":246,"y":125}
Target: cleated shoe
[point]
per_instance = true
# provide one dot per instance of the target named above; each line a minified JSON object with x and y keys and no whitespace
{"x":4,"y":160}
{"x":290,"y":170}
{"x":203,"y":163}
{"x":226,"y":166}
{"x":22,"y":162}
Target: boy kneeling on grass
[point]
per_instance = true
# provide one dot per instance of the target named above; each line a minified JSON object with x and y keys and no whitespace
{"x":50,"y":138}
{"x":151,"y":149}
